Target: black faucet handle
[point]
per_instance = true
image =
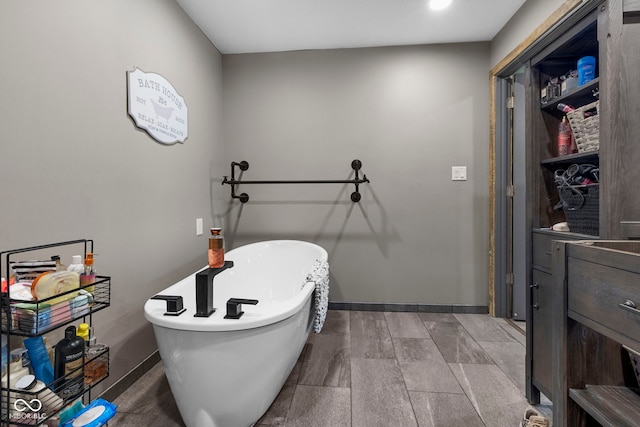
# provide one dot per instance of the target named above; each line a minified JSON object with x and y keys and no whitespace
{"x":174,"y":304}
{"x":234,"y":307}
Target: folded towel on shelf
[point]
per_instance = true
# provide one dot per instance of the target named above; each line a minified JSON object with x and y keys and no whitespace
{"x":31,"y":318}
{"x":320,"y":277}
{"x":29,"y":270}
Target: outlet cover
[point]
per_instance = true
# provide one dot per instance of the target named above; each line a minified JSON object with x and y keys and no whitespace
{"x":458,"y":173}
{"x":199,"y":227}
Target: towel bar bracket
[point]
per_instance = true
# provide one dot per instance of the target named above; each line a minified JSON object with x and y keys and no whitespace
{"x":356,"y":165}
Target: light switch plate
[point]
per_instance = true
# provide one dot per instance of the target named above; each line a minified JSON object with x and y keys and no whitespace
{"x":199,"y":226}
{"x":458,"y":173}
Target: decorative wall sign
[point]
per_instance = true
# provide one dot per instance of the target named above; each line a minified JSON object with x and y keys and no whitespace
{"x":155,"y":106}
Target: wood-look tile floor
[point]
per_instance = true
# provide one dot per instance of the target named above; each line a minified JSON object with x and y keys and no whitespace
{"x":369,"y":369}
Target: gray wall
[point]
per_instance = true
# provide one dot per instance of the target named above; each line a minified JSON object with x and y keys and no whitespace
{"x":72,"y":164}
{"x":520,"y":26}
{"x":409,"y":114}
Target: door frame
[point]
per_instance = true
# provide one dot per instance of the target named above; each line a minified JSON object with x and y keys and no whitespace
{"x":498,"y":245}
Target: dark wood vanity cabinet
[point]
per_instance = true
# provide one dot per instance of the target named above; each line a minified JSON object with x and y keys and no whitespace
{"x":538,"y":360}
{"x":594,"y":314}
{"x":539,"y":363}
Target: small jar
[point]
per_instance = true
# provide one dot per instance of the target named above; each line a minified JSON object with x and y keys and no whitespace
{"x":216,"y":248}
{"x":59,"y":265}
{"x":16,"y":365}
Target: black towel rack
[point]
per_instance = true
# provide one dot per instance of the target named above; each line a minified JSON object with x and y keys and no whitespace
{"x":244,"y":165}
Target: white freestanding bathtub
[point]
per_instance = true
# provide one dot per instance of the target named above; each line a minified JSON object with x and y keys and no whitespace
{"x":227,"y":372}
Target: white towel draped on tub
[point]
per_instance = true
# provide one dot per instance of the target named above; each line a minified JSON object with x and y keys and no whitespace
{"x":320,"y":276}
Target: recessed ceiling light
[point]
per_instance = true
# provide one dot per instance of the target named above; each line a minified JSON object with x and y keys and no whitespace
{"x":439,"y":4}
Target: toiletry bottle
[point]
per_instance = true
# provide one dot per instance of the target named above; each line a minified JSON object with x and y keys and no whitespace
{"x":39,"y":357}
{"x":95,"y":368}
{"x":89,"y":275}
{"x":36,"y":389}
{"x":5,"y":352}
{"x":564,"y":137}
{"x":17,"y":367}
{"x":59,"y":265}
{"x":95,"y":362}
{"x":216,"y":248}
{"x":69,"y":364}
{"x":83,"y":332}
{"x":76,"y":264}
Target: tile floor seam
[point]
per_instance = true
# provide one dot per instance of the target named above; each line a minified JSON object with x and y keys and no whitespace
{"x":482,"y":348}
{"x":475,"y":406}
{"x":305,"y":353}
{"x":454,"y":375}
{"x":286,"y":417}
{"x":350,"y":371}
{"x":404,"y":381}
{"x":395,"y":355}
{"x":511,"y":337}
{"x":412,"y":338}
{"x":435,"y":341}
{"x":497,"y":364}
{"x":413,"y":409}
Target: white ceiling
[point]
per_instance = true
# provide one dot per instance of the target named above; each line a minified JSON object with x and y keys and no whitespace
{"x":244,"y":26}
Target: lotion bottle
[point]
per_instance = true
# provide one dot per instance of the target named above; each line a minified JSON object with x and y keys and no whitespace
{"x":76,"y":264}
{"x":89,"y":275}
{"x":69,"y":364}
{"x":216,"y":248}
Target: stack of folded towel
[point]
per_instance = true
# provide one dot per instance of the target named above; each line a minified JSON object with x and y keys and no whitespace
{"x":29,"y":270}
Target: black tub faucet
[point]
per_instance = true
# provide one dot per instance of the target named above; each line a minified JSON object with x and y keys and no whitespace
{"x":204,"y":289}
{"x":174,"y":304}
{"x":234,"y":307}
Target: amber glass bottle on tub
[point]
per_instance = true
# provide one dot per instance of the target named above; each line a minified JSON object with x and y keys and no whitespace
{"x":216,"y":248}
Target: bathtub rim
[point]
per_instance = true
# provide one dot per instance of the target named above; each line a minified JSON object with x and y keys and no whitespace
{"x":154,"y":309}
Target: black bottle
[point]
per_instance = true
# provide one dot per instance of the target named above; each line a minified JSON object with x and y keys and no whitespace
{"x":68,"y":368}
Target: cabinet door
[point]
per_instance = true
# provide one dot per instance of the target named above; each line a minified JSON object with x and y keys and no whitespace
{"x":620,"y":109}
{"x":541,"y":372}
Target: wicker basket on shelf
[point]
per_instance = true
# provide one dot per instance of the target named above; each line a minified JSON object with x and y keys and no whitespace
{"x":586,"y":130}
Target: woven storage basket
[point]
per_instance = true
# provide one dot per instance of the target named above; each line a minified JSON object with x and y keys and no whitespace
{"x":586,"y":130}
{"x":581,"y":205}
